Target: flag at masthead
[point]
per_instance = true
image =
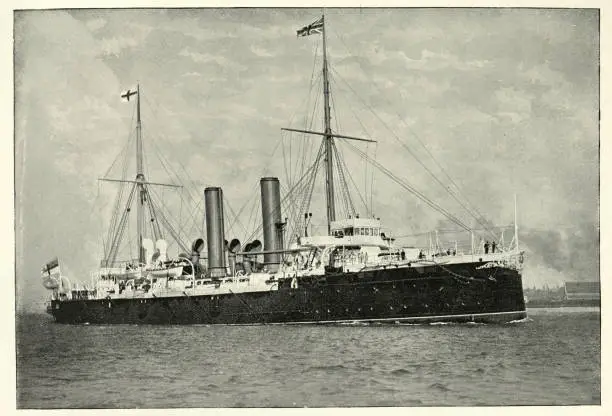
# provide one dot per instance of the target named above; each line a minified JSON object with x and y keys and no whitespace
{"x":318,"y":26}
{"x":127,"y":94}
{"x":313,"y":28}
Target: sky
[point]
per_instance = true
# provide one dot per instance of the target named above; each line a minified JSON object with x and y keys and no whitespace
{"x":506,"y":100}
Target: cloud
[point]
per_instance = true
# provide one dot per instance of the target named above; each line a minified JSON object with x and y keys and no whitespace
{"x":432,"y":61}
{"x":513,"y":102}
{"x":208,"y":58}
{"x":113,"y":42}
{"x":96,"y":24}
{"x":261,"y":51}
{"x":114,"y":45}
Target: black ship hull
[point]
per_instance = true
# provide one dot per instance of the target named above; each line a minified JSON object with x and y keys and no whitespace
{"x":452,"y":293}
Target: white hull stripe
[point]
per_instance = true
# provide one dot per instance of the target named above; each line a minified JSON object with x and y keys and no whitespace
{"x":342,"y":321}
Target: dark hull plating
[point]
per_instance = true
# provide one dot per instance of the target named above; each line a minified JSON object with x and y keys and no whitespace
{"x":459,"y":292}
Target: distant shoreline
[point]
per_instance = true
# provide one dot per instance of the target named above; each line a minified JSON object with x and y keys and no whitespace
{"x":545,"y":303}
{"x":563,"y":310}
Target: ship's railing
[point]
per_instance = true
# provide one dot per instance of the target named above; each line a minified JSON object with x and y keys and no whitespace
{"x":352,"y":261}
{"x":453,"y":249}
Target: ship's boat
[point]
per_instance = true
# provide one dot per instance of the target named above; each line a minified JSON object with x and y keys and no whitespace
{"x":352,"y":271}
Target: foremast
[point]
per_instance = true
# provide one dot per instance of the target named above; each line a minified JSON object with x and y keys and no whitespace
{"x":144,"y":203}
{"x":140,"y":179}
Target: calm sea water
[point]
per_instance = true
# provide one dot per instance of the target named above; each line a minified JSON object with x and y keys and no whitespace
{"x":551,"y":358}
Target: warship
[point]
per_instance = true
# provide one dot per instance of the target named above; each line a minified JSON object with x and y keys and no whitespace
{"x":352,"y":272}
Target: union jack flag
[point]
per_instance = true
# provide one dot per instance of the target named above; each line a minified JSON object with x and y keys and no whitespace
{"x":313,"y":28}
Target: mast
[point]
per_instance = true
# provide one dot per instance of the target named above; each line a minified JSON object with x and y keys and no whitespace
{"x":329,"y":159}
{"x":140,"y":208}
{"x":139,"y":192}
{"x":318,"y":27}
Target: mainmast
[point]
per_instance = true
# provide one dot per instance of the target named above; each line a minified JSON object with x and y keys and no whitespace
{"x":140,"y":179}
{"x":318,"y":27}
{"x":329,"y":159}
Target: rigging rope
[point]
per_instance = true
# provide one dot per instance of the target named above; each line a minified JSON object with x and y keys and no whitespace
{"x":114,"y":247}
{"x":345,"y":195}
{"x":348,"y":202}
{"x":168,"y":225}
{"x":358,"y":119}
{"x":410,"y":188}
{"x":372,"y":183}
{"x":236,"y":219}
{"x":283,"y":200}
{"x":163,"y":212}
{"x":313,"y":81}
{"x":114,"y":227}
{"x":447,"y":189}
{"x":249,"y":199}
{"x":472,"y":210}
{"x":128,"y":142}
{"x":194,"y":206}
{"x":309,"y":188}
{"x":166,"y":164}
{"x":153,"y":220}
{"x":353,"y":182}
